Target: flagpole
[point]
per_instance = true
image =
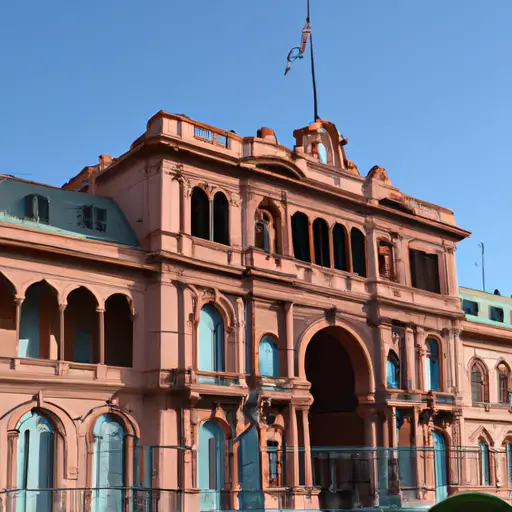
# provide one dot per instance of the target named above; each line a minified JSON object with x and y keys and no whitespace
{"x":313,"y":74}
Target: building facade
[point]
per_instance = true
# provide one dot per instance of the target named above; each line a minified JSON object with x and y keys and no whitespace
{"x":215,"y":322}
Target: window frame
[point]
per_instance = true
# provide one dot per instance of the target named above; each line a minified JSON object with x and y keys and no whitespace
{"x":434,"y":357}
{"x":485,"y":463}
{"x":478,"y":366}
{"x":503,"y":372}
{"x":393,"y":361}
{"x":422,"y":276}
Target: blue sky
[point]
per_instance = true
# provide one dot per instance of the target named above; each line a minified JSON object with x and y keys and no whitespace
{"x":420,"y":88}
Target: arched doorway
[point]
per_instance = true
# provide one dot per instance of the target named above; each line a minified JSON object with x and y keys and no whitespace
{"x":338,"y":368}
{"x":210,"y":465}
{"x":36,"y":454}
{"x":108,"y":464}
{"x":440,"y":466}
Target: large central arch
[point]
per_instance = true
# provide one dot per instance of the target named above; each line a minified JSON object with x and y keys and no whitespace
{"x":335,"y":360}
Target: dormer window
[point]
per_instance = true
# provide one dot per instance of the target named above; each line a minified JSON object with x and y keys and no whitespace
{"x":496,"y":314}
{"x":94,"y":218}
{"x":470,"y":307}
{"x":37,"y":208}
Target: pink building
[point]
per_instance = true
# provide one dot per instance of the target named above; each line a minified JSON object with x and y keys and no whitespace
{"x":212,"y":322}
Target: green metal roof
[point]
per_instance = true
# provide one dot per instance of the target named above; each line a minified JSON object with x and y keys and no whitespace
{"x":66,"y":212}
{"x":486,"y":301}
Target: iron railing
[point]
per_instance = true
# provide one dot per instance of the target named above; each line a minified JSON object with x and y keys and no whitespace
{"x":337,"y":478}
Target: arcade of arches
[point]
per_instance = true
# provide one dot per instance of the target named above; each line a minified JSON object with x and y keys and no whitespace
{"x":38,"y":327}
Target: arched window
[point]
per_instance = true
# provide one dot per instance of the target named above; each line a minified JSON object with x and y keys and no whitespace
{"x":322,"y":154}
{"x":386,"y":263}
{"x":485,"y":464}
{"x":210,"y":465}
{"x":108,"y":464}
{"x":479,"y":383}
{"x":200,"y":214}
{"x":220,"y":219}
{"x":39,"y":322}
{"x":300,"y":234}
{"x":263,"y":228}
{"x":37,"y":208}
{"x":341,"y":257}
{"x":503,"y":383}
{"x":210,"y":219}
{"x":433,"y":370}
{"x":118,"y":331}
{"x":262,"y":236}
{"x":321,"y":243}
{"x":393,"y":371}
{"x":210,"y":340}
{"x":36,"y":454}
{"x":509,"y":462}
{"x":81,"y":327}
{"x":358,"y":242}
{"x":268,"y":357}
{"x":267,"y":235}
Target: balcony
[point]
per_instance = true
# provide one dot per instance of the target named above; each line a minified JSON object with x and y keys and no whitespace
{"x":195,"y":133}
{"x":205,"y":383}
{"x":65,"y":373}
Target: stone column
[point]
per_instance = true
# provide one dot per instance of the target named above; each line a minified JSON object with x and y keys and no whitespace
{"x":372,"y":259}
{"x":398,"y":258}
{"x":451,"y":271}
{"x":290,"y":351}
{"x":370,"y":440}
{"x":171,"y":203}
{"x":383,"y":341}
{"x":420,"y":348}
{"x":307,"y":448}
{"x":409,"y":356}
{"x":311,"y":241}
{"x":457,"y":363}
{"x":62,"y":327}
{"x":101,"y":332}
{"x":447,"y":362}
{"x":292,"y":442}
{"x":130,"y":451}
{"x":18,"y":301}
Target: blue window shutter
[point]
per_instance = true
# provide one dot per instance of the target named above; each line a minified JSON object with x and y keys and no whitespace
{"x":108,"y":464}
{"x":433,"y":378}
{"x":268,"y":357}
{"x":393,"y":372}
{"x":509,"y":463}
{"x":322,"y":154}
{"x":484,"y":455}
{"x":210,"y":339}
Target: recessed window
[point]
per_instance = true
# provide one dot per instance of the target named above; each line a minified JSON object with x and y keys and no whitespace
{"x":385,"y":258}
{"x":496,"y":314}
{"x":93,"y":217}
{"x":424,"y":271}
{"x":37,"y":208}
{"x":470,"y":307}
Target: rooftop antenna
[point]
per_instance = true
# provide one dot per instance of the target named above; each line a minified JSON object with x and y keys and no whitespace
{"x":482,"y":247}
{"x":297,"y":52}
